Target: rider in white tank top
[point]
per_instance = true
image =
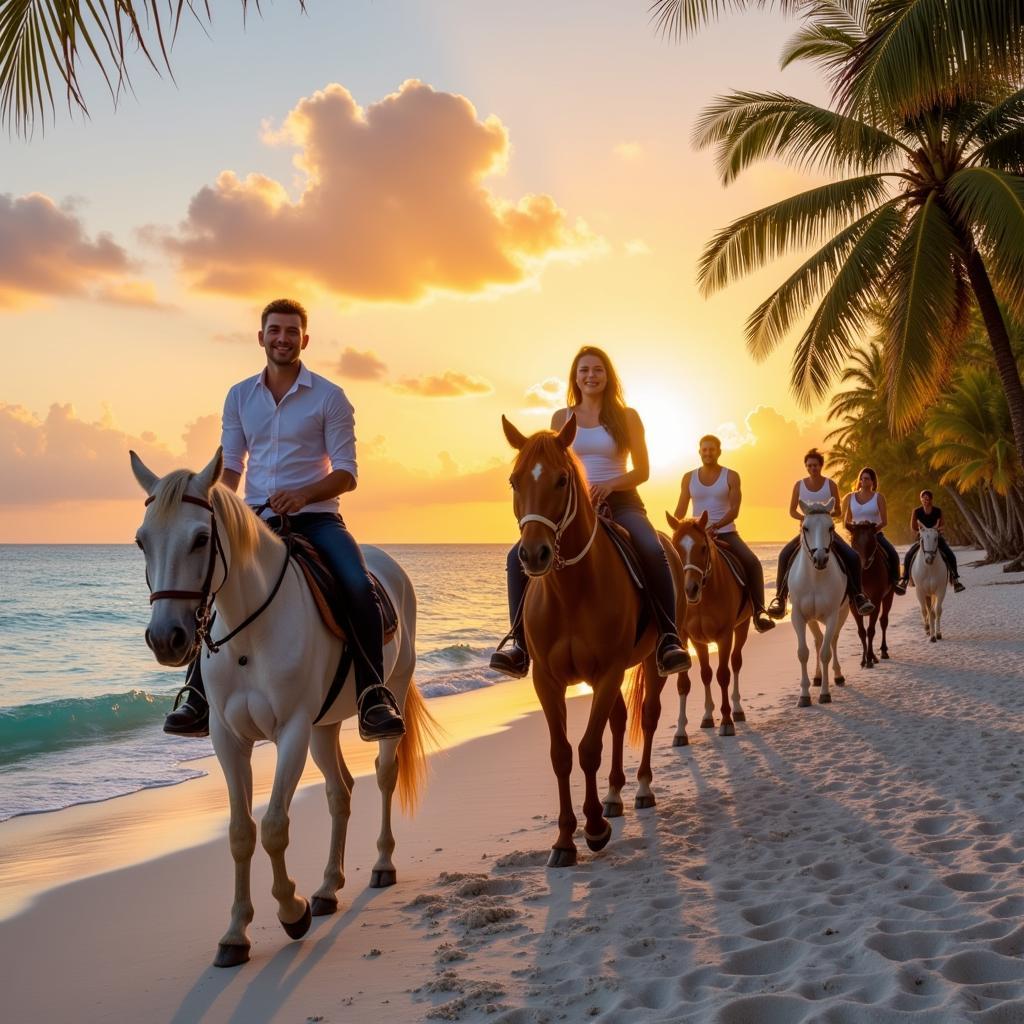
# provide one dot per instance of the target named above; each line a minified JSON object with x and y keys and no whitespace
{"x":866,"y":512}
{"x":599,"y":454}
{"x":712,"y":498}
{"x":819,"y":497}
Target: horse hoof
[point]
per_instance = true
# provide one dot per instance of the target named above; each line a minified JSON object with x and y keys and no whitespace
{"x":839,"y":680}
{"x":612,"y":810}
{"x":885,"y":655}
{"x":825,"y":698}
{"x":297,"y":929}
{"x":324,"y":906}
{"x":381,"y":878}
{"x":816,"y":681}
{"x":739,"y":716}
{"x":231,"y":956}
{"x":641,"y":803}
{"x":938,"y":636}
{"x":727,"y":729}
{"x":708,"y":723}
{"x":804,"y":701}
{"x":598,"y":842}
{"x":932,"y":639}
{"x":562,"y":858}
{"x":681,"y":740}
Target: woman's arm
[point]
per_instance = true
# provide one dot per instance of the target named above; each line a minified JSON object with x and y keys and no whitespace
{"x":794,"y":504}
{"x":834,"y":491}
{"x":847,"y":514}
{"x":641,"y":464}
{"x":883,"y":512}
{"x":914,"y":524}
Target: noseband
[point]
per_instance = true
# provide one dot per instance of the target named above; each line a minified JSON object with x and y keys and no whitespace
{"x":706,"y":571}
{"x":571,"y":508}
{"x":933,"y":552}
{"x":807,"y":546}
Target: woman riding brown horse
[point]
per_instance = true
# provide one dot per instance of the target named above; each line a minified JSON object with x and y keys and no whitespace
{"x":581,"y":615}
{"x":877,"y":579}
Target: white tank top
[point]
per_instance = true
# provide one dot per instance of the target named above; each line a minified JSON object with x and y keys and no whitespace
{"x":819,"y":497}
{"x":596,"y":450}
{"x":713,"y":499}
{"x":868,"y":512}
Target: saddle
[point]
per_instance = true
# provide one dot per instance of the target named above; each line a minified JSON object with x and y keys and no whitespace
{"x":725,"y":553}
{"x":325,"y":591}
{"x":619,"y":536}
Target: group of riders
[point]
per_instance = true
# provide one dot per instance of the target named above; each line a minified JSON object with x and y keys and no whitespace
{"x":292,"y":432}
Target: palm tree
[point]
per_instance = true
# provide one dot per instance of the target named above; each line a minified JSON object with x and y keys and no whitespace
{"x":42,"y":43}
{"x":930,"y":215}
{"x":913,"y":53}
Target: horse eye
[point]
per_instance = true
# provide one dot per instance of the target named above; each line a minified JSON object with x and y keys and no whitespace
{"x":562,"y":480}
{"x":512,"y":482}
{"x":201,"y":541}
{"x":138,"y":544}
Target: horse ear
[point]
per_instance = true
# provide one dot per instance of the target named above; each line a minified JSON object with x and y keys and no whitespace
{"x":146,"y":477}
{"x":513,"y":436}
{"x":211,"y":472}
{"x":804,"y":506}
{"x":567,"y":434}
{"x":703,"y":521}
{"x":672,"y":521}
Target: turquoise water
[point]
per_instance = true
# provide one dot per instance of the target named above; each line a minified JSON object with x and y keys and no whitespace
{"x":82,"y":700}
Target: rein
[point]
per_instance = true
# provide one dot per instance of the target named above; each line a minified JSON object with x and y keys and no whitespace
{"x":933,"y":552}
{"x":571,"y":508}
{"x":807,"y":546}
{"x":706,"y":571}
{"x":206,"y":596}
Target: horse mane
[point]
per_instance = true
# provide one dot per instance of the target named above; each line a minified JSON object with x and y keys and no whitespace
{"x":543,"y":446}
{"x":234,"y":517}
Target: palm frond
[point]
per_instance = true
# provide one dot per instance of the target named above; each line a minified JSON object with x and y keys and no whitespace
{"x":801,"y":220}
{"x":1005,"y":152}
{"x":868,"y":241}
{"x":927,"y":316}
{"x":828,"y":48}
{"x":921,"y":52}
{"x":990,"y":203}
{"x":750,"y":126}
{"x":678,"y":18}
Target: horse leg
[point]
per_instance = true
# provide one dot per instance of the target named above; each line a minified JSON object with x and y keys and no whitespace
{"x":924,"y":601}
{"x":326,"y":751}
{"x":293,"y":911}
{"x":884,"y":622}
{"x":616,"y":777}
{"x":708,"y":721}
{"x":736,"y":662}
{"x":607,"y":690}
{"x":837,"y":670}
{"x":829,"y":642}
{"x":235,"y":757}
{"x":816,"y":633}
{"x":683,"y":688}
{"x":872,"y":622}
{"x":551,"y":695}
{"x":724,"y":653}
{"x":384,"y":872}
{"x":651,"y":714}
{"x":863,"y":634}
{"x":803,"y":653}
{"x":937,"y":612}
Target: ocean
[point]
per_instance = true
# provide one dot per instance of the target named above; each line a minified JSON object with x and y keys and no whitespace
{"x":82,"y":700}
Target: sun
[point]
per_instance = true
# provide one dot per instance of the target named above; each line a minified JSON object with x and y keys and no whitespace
{"x":671,"y":425}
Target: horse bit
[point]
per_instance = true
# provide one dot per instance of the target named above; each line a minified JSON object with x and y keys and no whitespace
{"x":571,"y":508}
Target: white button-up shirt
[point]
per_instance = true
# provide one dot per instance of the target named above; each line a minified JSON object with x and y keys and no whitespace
{"x":292,"y":443}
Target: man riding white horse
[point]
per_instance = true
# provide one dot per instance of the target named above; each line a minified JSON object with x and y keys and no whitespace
{"x":298,"y":431}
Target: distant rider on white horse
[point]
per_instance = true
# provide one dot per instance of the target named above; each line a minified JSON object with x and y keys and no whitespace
{"x":929,"y":514}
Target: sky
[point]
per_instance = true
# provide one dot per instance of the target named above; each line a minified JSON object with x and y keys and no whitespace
{"x":461,"y":194}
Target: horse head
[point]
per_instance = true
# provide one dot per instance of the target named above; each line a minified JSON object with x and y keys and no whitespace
{"x":818,"y":531}
{"x":178,"y":538}
{"x":864,"y":540}
{"x":690,"y":538}
{"x":546,"y":492}
{"x":928,"y":536}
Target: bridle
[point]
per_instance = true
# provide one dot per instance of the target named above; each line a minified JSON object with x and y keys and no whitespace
{"x":870,"y":560}
{"x":559,"y":528}
{"x":706,"y":571}
{"x":206,"y":595}
{"x":930,"y":555}
{"x":807,"y":546}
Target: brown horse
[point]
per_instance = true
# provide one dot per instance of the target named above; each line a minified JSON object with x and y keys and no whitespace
{"x":581,"y":616}
{"x":877,"y":587}
{"x":718,"y":611}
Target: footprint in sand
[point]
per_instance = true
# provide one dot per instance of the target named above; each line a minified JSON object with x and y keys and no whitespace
{"x":765,"y":958}
{"x":936,"y":825}
{"x":968,"y":881}
{"x":903,"y":946}
{"x":980,"y":967}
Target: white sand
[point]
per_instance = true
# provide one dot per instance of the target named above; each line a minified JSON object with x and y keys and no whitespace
{"x":859,"y":862}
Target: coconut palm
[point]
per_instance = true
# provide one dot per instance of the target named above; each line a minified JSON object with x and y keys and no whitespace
{"x":929,"y":214}
{"x":913,"y":53}
{"x":43,"y":42}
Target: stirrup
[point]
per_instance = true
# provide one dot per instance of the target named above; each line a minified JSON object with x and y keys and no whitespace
{"x":386,"y":699}
{"x":189,"y":688}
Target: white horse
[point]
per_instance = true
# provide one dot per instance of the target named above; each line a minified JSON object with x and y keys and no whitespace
{"x":270,"y":680}
{"x":931,"y":577}
{"x":817,"y":589}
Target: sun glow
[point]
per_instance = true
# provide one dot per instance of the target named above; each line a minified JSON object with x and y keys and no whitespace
{"x":671,"y":425}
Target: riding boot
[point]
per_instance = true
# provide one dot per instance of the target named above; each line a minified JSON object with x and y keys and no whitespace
{"x":958,"y":587}
{"x":777,"y":607}
{"x":190,"y":715}
{"x":863,"y":605}
{"x":512,"y":658}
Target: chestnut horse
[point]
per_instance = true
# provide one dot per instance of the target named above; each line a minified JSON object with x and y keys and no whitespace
{"x":581,"y":615}
{"x":718,"y":611}
{"x":877,"y":587}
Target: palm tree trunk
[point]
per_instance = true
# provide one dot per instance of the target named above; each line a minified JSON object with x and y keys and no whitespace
{"x":999,"y":338}
{"x":974,"y":524}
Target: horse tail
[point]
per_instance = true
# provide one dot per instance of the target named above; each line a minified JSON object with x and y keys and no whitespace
{"x":635,"y":691}
{"x":421,"y":730}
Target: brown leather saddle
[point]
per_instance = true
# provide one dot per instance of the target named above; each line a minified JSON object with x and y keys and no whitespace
{"x":325,"y":591}
{"x":732,"y":562}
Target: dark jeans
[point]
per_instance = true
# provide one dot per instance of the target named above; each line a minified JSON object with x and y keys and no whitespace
{"x":849,"y":558}
{"x":751,"y":566}
{"x":948,"y":556}
{"x":628,"y":511}
{"x":892,"y":557}
{"x":358,"y":610}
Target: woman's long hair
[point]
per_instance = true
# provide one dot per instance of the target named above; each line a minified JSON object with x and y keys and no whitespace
{"x":870,"y":473}
{"x":613,"y":405}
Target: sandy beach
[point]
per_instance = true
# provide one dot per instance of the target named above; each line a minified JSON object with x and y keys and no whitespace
{"x":853,"y":863}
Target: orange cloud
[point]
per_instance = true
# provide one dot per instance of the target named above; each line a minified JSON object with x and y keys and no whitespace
{"x":393,"y":207}
{"x":446,"y":385}
{"x":358,"y":365}
{"x":545,"y":396}
{"x":44,"y":251}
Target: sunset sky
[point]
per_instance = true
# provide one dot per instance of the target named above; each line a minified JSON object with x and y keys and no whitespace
{"x":461,"y":194}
